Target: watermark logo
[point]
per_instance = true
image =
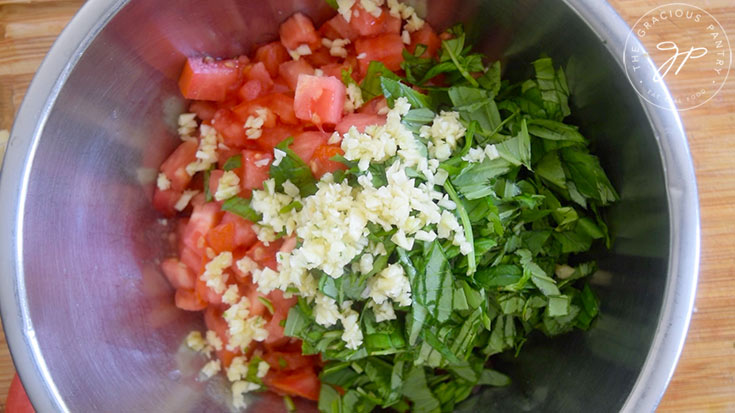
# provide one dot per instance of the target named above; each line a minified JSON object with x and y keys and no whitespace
{"x":683,"y":46}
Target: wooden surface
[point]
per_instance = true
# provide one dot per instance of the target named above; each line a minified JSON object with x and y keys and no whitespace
{"x":705,"y":377}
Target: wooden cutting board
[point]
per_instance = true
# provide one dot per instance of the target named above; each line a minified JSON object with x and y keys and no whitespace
{"x":705,"y":377}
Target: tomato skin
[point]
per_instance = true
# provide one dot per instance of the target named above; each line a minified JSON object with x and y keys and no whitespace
{"x":305,"y":144}
{"x":272,"y":55}
{"x":338,"y":28}
{"x":428,"y":37}
{"x":321,"y":162}
{"x":298,"y":30}
{"x":174,"y":167}
{"x":230,"y":127}
{"x":253,"y":173}
{"x":189,"y":300}
{"x":290,"y":71}
{"x":385,"y":48}
{"x":207,"y":79}
{"x":320,"y":100}
{"x":178,"y":274}
{"x":359,"y":121}
{"x":304,"y":383}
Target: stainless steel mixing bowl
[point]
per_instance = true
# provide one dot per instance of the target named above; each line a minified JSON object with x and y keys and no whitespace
{"x":88,"y":317}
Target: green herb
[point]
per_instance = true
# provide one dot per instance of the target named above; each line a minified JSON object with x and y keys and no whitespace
{"x":393,"y":89}
{"x":233,"y":162}
{"x":371,"y":84}
{"x":241,"y":206}
{"x":267,"y":303}
{"x":293,"y":169}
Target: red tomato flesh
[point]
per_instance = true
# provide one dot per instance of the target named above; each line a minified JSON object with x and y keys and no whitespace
{"x":299,"y":30}
{"x":207,"y":79}
{"x":320,"y":100}
{"x":385,"y":48}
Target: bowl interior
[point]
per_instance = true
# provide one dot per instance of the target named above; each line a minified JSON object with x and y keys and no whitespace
{"x":102,"y":313}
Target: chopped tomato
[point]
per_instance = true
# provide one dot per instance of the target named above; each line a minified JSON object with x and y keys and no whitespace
{"x":338,"y":28}
{"x":214,"y":321}
{"x":375,"y":106}
{"x":230,"y":127}
{"x":321,"y":163}
{"x":299,"y":30}
{"x":189,"y":300}
{"x":251,"y":89}
{"x":290,"y":71}
{"x":282,"y":106}
{"x":207,"y":294}
{"x":259,"y":72}
{"x":208,"y":79}
{"x":222,"y":237}
{"x":203,"y":218}
{"x":164,"y":201}
{"x":273,"y":136}
{"x":304,"y":144}
{"x":359,"y":121}
{"x":275,"y":325}
{"x":174,"y":167}
{"x":367,"y":24}
{"x":178,"y":274}
{"x":256,"y":306}
{"x":272,"y":55}
{"x":204,"y":110}
{"x":214,"y":178}
{"x":244,"y":235}
{"x":320,"y":100}
{"x":288,"y":361}
{"x":304,"y":383}
{"x":427,"y":37}
{"x":265,"y":255}
{"x":191,"y":258}
{"x":256,"y":108}
{"x":255,"y":169}
{"x":320,"y":57}
{"x":385,"y":48}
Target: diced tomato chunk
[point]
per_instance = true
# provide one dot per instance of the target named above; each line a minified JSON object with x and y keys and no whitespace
{"x":230,"y":127}
{"x":191,"y":258}
{"x":338,"y":28}
{"x":222,"y":237}
{"x":189,"y":300}
{"x":178,"y":274}
{"x":273,"y":136}
{"x":265,"y":255}
{"x":203,"y":218}
{"x":259,"y":72}
{"x":244,"y":236}
{"x":255,"y":108}
{"x":207,"y":294}
{"x":214,"y":178}
{"x":255,"y":169}
{"x":282,"y":106}
{"x":427,"y":37}
{"x":321,"y":163}
{"x":299,"y":30}
{"x":204,"y":110}
{"x":251,"y":89}
{"x":272,"y":55}
{"x":320,"y":57}
{"x":320,"y":100}
{"x":385,"y":48}
{"x":304,"y":383}
{"x":289,"y":361}
{"x":305,"y":144}
{"x":290,"y":71}
{"x":359,"y":121}
{"x":375,"y":106}
{"x":366,"y":24}
{"x":164,"y":201}
{"x":208,"y":79}
{"x":174,"y":167}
